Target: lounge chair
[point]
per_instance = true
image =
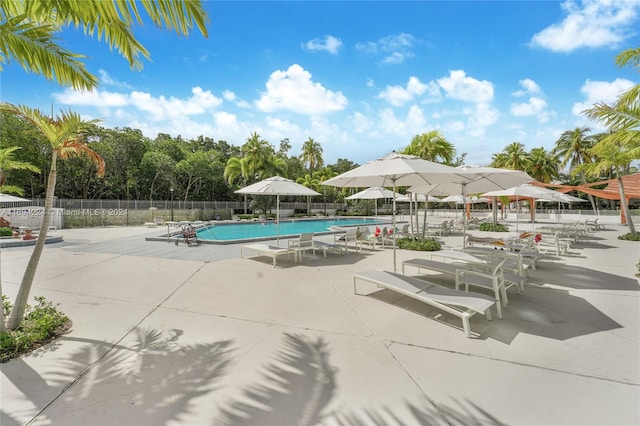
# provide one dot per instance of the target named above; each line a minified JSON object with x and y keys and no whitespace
{"x":487,"y":275}
{"x":267,"y":250}
{"x":303,"y":243}
{"x":325,"y":247}
{"x":347,"y":235}
{"x":458,"y":303}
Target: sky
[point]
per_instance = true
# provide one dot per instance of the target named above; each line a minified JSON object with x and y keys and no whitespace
{"x":361,"y":78}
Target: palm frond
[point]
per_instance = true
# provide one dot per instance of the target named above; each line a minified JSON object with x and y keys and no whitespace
{"x":36,"y":49}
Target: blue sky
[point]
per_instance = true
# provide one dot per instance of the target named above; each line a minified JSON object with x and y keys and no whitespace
{"x":361,"y":78}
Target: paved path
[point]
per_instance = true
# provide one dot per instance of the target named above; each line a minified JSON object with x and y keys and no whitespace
{"x":196,"y":335}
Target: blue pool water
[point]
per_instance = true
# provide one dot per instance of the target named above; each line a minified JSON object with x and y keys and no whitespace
{"x":253,"y":231}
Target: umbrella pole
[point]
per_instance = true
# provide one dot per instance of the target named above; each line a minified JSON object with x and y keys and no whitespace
{"x":278,"y":219}
{"x":393,"y":225}
{"x":517,"y":216}
{"x":464,"y":218}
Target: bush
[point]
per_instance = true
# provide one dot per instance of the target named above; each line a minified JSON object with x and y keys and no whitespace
{"x":6,"y":232}
{"x":42,"y":324}
{"x":630,"y":236}
{"x":418,"y":245}
{"x":490,"y":227}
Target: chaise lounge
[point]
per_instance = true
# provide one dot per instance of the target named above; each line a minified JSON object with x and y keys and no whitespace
{"x":459,"y":303}
{"x":271,"y":251}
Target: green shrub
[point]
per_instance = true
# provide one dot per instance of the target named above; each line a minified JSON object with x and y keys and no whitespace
{"x":6,"y":232}
{"x":418,"y":245}
{"x":42,"y":323}
{"x":630,"y":236}
{"x":493,"y":228}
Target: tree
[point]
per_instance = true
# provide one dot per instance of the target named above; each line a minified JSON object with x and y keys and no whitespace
{"x":28,"y":32}
{"x":65,"y":135}
{"x":159,"y":168}
{"x":622,"y":118}
{"x":311,"y":182}
{"x":573,"y":147}
{"x":255,"y":150}
{"x":431,"y":146}
{"x":8,"y":162}
{"x":514,"y":156}
{"x":543,"y":165}
{"x":312,"y":154}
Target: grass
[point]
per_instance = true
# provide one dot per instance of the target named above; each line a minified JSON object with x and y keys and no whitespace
{"x":493,"y":227}
{"x":42,"y":324}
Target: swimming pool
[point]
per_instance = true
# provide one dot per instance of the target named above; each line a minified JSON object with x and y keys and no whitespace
{"x":227,"y":233}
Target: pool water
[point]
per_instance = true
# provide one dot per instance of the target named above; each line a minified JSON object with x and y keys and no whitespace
{"x":253,"y":231}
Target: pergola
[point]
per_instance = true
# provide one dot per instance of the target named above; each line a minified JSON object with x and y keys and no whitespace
{"x":631,"y":185}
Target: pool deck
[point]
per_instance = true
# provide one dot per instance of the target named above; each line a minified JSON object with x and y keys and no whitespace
{"x":167,"y":334}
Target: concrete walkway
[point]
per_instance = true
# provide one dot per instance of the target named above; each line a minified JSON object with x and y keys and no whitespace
{"x":167,"y":335}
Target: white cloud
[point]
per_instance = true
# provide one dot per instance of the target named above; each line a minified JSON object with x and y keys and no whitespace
{"x":293,"y":90}
{"x":601,"y":91}
{"x":395,"y":48}
{"x":162,"y":108}
{"x":533,"y":107}
{"x":398,"y":95}
{"x":228,"y":95}
{"x":482,"y":115}
{"x":591,"y":23}
{"x":458,"y":86}
{"x":328,"y":44}
{"x":96,"y":98}
{"x":402,"y":129}
{"x":529,"y":87}
{"x":107,"y":80}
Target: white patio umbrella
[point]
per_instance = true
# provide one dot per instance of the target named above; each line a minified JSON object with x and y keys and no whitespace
{"x":481,"y":179}
{"x":525,"y":191}
{"x":7,"y":198}
{"x":467,"y":200}
{"x":397,"y":170}
{"x":277,"y":186}
{"x":373,"y":193}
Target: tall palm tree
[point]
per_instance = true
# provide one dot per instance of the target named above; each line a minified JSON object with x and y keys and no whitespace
{"x":8,"y":162}
{"x":432,"y":146}
{"x":312,"y":154}
{"x":543,"y":165}
{"x":311,"y":182}
{"x":64,"y":133}
{"x":28,"y":32}
{"x":574,"y":148}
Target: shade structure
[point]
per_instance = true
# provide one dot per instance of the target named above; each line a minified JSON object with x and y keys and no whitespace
{"x":396,"y":170}
{"x":7,"y":198}
{"x":458,"y":199}
{"x":373,"y":193}
{"x":420,"y":198}
{"x":525,"y":191}
{"x":277,"y":186}
{"x":481,"y":179}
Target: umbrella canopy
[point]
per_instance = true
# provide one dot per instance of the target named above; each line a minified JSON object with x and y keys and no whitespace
{"x":525,"y":191}
{"x":373,"y":193}
{"x":467,"y":200}
{"x":397,"y":170}
{"x":420,"y":198}
{"x":6,"y":198}
{"x":277,"y":186}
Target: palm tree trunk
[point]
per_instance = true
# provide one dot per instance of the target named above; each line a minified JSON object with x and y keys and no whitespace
{"x":20,"y":305}
{"x":625,"y":207}
{"x":589,"y":196}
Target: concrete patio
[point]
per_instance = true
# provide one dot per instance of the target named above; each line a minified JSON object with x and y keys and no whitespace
{"x":166,"y":334}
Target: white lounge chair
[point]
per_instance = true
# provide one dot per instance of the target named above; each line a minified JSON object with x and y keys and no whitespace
{"x":326,"y":246}
{"x":271,"y":251}
{"x":461,"y":304}
{"x":303,"y":243}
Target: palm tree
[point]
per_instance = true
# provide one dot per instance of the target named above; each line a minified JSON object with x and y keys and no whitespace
{"x":514,"y":156}
{"x":573,"y":147}
{"x":543,"y":165}
{"x":309,"y":181}
{"x":622,"y":118}
{"x":8,"y":162}
{"x":28,"y":32}
{"x":65,"y":135}
{"x":312,"y":154}
{"x":256,"y":150}
{"x":432,"y":146}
